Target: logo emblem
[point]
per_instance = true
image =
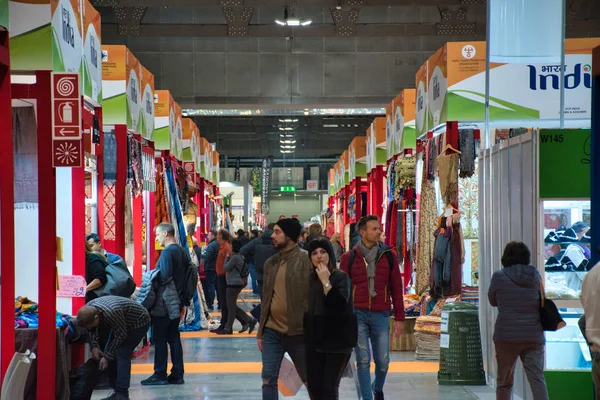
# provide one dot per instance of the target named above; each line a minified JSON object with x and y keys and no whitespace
{"x":469,"y":52}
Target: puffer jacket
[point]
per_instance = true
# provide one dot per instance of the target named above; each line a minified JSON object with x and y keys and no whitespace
{"x":515,"y":291}
{"x":388,"y":282}
{"x":232,"y":270}
{"x":160,"y":299}
{"x":260,"y":249}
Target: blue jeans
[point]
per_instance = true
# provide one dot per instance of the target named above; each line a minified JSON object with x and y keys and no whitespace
{"x":373,"y":326}
{"x":275,"y":345}
{"x":119,"y":369}
{"x":211,"y":287}
{"x":253,"y":278}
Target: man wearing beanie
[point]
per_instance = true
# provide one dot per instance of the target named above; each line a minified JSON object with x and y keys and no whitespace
{"x":286,"y":278}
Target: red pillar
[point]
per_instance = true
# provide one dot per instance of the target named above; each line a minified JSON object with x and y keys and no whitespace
{"x":99,"y":151}
{"x":150,"y":224}
{"x":7,"y":213}
{"x":122,"y":164}
{"x":137,"y":239}
{"x":46,"y":377}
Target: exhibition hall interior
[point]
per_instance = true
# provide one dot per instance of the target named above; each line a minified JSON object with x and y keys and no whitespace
{"x":305,"y":199}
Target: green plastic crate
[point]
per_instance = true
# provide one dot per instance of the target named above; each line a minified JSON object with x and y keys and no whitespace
{"x":461,"y":359}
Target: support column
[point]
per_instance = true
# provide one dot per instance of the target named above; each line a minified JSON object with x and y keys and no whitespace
{"x":122,"y":164}
{"x":7,"y":212}
{"x":595,"y":158}
{"x":137,"y":239}
{"x":46,"y":377}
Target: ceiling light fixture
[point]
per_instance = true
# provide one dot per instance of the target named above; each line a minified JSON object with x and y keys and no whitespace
{"x":292,"y":21}
{"x":288,"y":120}
{"x":286,"y":128}
{"x":287,"y":141}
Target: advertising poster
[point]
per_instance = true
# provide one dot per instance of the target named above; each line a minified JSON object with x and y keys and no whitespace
{"x":92,"y":53}
{"x":370,"y":146}
{"x":147,"y":119}
{"x":345,"y":167}
{"x":177,"y":134}
{"x":404,"y":121}
{"x":45,"y":34}
{"x":332,"y":182}
{"x":162,"y":120}
{"x":421,"y":100}
{"x":358,"y":157}
{"x":216,"y":175}
{"x":134,"y":93}
{"x":189,"y":139}
{"x":390,"y":139}
{"x":266,"y":173}
{"x":378,"y":142}
{"x":456,"y":89}
{"x":114,"y":86}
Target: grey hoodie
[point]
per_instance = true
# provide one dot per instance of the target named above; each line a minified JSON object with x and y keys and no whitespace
{"x":515,"y":290}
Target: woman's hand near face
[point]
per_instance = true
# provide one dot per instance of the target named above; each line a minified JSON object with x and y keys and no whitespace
{"x":323,"y":273}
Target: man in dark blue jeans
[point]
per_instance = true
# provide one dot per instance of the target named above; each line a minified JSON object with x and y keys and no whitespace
{"x":210,"y":269}
{"x":284,"y":303}
{"x":377,"y":282}
{"x":128,"y":323}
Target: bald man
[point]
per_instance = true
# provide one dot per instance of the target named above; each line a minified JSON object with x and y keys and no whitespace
{"x":128,"y":323}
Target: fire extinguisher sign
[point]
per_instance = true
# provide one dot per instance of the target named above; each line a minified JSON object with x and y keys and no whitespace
{"x":66,"y":103}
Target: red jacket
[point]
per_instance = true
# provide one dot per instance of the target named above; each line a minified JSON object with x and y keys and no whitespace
{"x":224,"y":252}
{"x":388,"y":283}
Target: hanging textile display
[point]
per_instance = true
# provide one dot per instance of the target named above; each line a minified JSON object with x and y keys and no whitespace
{"x":468,"y":152}
{"x":110,"y":180}
{"x":25,"y":158}
{"x":427,"y":225}
{"x":267,"y":170}
{"x":135,"y":173}
{"x":160,"y":202}
{"x":128,"y":215}
{"x":194,"y":316}
{"x":448,"y":177}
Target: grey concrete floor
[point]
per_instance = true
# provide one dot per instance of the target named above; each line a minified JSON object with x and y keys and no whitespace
{"x":247,"y":386}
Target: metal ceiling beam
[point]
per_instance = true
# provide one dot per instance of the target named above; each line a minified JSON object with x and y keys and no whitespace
{"x":282,"y":3}
{"x":271,"y":30}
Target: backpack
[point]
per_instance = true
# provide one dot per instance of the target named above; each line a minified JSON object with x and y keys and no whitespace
{"x":245,"y":271}
{"x":389,"y":255}
{"x":119,"y":281}
{"x":190,"y":285}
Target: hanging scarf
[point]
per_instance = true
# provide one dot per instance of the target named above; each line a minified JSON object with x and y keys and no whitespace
{"x":25,"y":158}
{"x":370,"y":256}
{"x":466,"y":145}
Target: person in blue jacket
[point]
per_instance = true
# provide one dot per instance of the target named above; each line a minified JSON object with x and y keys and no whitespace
{"x":210,"y":269}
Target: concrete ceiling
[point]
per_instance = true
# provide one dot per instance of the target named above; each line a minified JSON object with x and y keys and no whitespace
{"x":230,"y":54}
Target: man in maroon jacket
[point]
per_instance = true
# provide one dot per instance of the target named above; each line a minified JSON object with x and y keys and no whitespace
{"x":375,"y":276}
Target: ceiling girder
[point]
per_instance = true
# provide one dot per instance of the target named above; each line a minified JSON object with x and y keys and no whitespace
{"x":284,"y":3}
{"x":263,"y":30}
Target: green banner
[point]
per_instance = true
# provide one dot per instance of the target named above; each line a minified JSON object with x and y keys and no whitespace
{"x":564,"y":168}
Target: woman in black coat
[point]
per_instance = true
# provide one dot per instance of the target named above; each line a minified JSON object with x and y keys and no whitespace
{"x":95,"y":272}
{"x":330,"y":325}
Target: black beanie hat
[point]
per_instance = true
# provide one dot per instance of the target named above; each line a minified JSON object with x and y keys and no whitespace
{"x":322,"y":243}
{"x":291,"y":227}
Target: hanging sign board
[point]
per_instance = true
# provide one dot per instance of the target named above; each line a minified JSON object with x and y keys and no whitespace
{"x":312,"y":185}
{"x":66,"y":104}
{"x":564,"y":167}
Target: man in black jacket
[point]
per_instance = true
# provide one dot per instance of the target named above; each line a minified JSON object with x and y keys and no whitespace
{"x":260,"y":249}
{"x":210,"y":269}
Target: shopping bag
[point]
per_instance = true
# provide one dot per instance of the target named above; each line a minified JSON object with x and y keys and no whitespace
{"x":289,"y":381}
{"x":86,"y":377}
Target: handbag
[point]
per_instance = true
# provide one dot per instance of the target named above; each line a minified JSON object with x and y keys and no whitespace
{"x":549,"y":315}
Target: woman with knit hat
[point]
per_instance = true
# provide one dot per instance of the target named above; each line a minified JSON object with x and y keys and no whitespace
{"x":330,"y":325}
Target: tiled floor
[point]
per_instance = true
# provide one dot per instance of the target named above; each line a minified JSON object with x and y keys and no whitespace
{"x":228,"y":368}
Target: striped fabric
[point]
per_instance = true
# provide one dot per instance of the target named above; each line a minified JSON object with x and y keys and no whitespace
{"x":122,"y":316}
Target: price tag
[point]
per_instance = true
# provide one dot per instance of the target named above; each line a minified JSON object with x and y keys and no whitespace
{"x":444,"y":341}
{"x":444,"y":324}
{"x":71,"y":286}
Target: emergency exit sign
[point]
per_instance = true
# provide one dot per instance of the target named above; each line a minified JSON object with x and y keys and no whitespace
{"x":287,"y":189}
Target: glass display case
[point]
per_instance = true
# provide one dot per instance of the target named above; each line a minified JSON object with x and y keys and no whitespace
{"x":566,"y":349}
{"x":566,"y":247}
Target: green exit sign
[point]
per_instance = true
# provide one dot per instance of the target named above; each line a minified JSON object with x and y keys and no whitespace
{"x":287,"y":189}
